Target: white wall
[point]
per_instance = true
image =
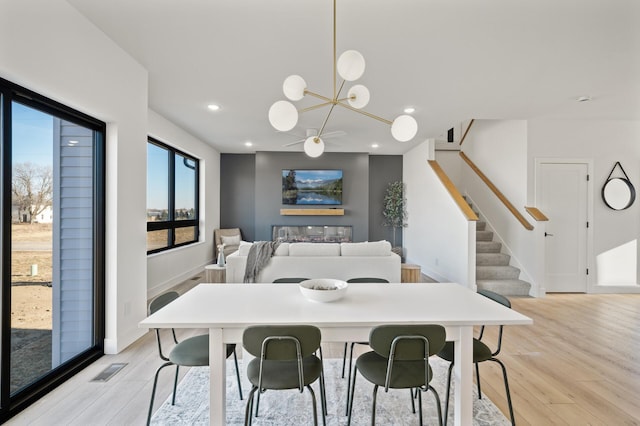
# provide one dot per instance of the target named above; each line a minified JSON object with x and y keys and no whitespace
{"x":71,"y":61}
{"x":438,"y":236}
{"x":452,"y":165}
{"x":169,"y":268}
{"x":499,"y":149}
{"x":614,"y":256}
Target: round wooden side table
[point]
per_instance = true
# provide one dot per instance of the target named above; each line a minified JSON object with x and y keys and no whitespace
{"x":410,"y":273}
{"x":215,"y":273}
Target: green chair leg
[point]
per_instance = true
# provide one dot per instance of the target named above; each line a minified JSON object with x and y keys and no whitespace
{"x":235,"y":360}
{"x":153,"y":390}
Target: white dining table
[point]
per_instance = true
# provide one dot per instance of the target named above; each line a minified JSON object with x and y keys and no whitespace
{"x":227,"y":309}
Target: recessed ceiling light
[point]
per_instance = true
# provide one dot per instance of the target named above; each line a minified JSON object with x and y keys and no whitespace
{"x":247,"y":143}
{"x":409,"y":110}
{"x":73,"y":142}
{"x":213,"y":107}
{"x":584,"y":99}
{"x":374,"y":145}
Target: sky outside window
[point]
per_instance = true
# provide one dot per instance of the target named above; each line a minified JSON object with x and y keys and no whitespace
{"x":32,"y":135}
{"x":157,"y":177}
{"x":185,"y":183}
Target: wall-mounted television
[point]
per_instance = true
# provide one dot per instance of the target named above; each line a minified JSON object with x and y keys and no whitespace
{"x":311,"y":187}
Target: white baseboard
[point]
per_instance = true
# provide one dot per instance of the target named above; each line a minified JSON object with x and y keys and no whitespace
{"x":174,"y":281}
{"x":114,"y":346}
{"x":615,"y":289}
{"x":433,"y":274}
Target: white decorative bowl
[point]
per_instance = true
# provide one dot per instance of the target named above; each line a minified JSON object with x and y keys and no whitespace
{"x":323,"y":289}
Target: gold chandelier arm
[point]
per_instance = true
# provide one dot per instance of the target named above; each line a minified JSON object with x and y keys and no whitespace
{"x":368,"y":114}
{"x":333,"y":104}
{"x":335,"y":63}
{"x":311,"y":108}
{"x":316,"y":95}
{"x":325,"y":121}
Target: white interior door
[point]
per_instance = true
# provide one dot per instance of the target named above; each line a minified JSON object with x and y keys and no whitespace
{"x":562,"y":195}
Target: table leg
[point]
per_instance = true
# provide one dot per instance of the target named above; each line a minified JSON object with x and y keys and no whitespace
{"x":463,"y":377}
{"x":217,"y":378}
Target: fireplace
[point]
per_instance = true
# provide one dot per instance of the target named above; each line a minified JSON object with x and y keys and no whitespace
{"x":312,"y":233}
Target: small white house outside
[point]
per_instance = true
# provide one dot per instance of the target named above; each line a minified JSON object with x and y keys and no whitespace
{"x":21,"y":216}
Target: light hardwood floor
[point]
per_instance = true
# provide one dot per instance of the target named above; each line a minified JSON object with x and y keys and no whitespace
{"x":578,"y":364}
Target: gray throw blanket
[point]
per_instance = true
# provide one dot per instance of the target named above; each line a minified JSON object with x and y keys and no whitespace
{"x":259,"y":255}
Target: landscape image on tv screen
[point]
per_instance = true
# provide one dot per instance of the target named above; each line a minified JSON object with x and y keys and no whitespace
{"x":311,"y":187}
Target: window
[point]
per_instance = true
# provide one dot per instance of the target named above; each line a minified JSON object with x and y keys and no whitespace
{"x":52,"y":262}
{"x":172,"y":197}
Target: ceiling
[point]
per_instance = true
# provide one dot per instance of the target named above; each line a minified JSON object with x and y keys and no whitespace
{"x":452,"y":60}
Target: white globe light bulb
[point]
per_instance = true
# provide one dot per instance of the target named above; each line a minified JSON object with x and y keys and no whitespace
{"x":351,"y":65}
{"x":294,"y":87}
{"x":314,"y":146}
{"x":358,"y":96}
{"x":283,"y":116}
{"x":404,"y":128}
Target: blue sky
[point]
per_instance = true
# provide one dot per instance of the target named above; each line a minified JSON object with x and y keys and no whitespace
{"x":32,"y":135}
{"x":157,"y":180}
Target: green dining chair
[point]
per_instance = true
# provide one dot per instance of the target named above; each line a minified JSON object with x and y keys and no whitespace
{"x":400,"y":360}
{"x":287,"y":280}
{"x":291,"y":280}
{"x":284,"y":359}
{"x":346,"y":344}
{"x":191,"y":352}
{"x":481,"y":353}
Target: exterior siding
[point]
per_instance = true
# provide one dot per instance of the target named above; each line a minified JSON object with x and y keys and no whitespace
{"x":73,"y":239}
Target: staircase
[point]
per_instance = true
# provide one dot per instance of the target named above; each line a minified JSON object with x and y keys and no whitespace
{"x":493,"y":271}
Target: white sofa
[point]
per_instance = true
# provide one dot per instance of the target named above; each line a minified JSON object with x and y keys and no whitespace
{"x":321,"y":260}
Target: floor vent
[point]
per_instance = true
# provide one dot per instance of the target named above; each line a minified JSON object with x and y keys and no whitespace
{"x":109,"y":372}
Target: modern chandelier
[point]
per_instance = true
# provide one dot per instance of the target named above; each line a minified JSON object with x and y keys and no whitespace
{"x":283,"y":115}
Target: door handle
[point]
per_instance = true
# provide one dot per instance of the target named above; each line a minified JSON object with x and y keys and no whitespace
{"x":548,"y":235}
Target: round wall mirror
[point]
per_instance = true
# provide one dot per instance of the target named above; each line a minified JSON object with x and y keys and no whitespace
{"x":618,"y":193}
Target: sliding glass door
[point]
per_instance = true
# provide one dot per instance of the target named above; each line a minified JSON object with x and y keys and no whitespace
{"x":52,"y":255}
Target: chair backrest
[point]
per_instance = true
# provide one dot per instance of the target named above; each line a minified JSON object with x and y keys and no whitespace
{"x":219,"y":233}
{"x":157,"y":304}
{"x":367,"y":280}
{"x":281,"y":341}
{"x":503,"y":301}
{"x":162,"y":301}
{"x":410,"y":346}
{"x":495,"y":297}
{"x":289,"y":280}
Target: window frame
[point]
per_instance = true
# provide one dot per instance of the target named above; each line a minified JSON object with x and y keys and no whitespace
{"x":171,"y":225}
{"x":11,"y":404}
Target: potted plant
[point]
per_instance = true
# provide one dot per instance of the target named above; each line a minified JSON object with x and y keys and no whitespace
{"x":394,"y":210}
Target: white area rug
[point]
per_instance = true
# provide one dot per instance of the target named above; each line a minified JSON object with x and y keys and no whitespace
{"x":289,"y":408}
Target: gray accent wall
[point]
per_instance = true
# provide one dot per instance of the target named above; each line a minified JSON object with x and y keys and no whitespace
{"x":251,"y":191}
{"x":237,"y":193}
{"x":355,"y":191}
{"x":385,"y":169}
